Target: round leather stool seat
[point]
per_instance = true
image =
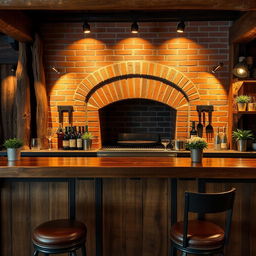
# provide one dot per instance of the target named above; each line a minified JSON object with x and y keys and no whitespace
{"x":203,"y":235}
{"x":62,"y":233}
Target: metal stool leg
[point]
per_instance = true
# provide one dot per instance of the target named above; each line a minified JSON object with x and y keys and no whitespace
{"x":35,"y":253}
{"x":83,"y":250}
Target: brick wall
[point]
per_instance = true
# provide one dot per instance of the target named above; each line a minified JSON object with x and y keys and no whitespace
{"x":111,"y":50}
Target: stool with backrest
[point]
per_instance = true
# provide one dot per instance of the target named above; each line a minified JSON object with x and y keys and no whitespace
{"x":203,"y":237}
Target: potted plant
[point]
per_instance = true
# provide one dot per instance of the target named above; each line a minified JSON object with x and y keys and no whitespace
{"x":196,"y":145}
{"x":242,"y":101}
{"x":13,"y":148}
{"x":241,"y":137}
{"x":87,"y":139}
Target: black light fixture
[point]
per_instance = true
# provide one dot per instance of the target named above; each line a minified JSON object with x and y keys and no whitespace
{"x":86,"y":28}
{"x":181,"y":27}
{"x":218,"y":67}
{"x":241,"y":68}
{"x":134,"y":27}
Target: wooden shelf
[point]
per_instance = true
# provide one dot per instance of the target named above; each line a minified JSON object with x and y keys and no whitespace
{"x":245,"y":112}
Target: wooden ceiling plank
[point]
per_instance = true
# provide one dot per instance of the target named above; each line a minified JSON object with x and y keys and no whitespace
{"x":244,"y":29}
{"x":16,"y":25}
{"x":243,"y":5}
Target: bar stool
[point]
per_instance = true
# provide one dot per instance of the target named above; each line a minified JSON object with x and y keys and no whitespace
{"x":200,"y":236}
{"x":59,"y":236}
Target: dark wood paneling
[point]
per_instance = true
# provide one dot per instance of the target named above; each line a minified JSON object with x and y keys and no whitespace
{"x":85,"y":211}
{"x":8,"y":106}
{"x":244,"y":29}
{"x":23,"y":107}
{"x":40,"y":91}
{"x":135,"y":214}
{"x":25,"y":205}
{"x":16,"y":25}
{"x":122,"y":216}
{"x":155,"y":217}
{"x":129,"y":5}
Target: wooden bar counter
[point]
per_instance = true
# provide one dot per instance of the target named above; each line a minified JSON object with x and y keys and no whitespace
{"x":126,"y":202}
{"x":129,"y":167}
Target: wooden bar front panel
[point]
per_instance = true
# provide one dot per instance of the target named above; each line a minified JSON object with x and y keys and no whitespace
{"x":136,"y":214}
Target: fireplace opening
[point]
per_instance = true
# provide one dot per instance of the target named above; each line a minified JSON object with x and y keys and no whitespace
{"x":136,"y":122}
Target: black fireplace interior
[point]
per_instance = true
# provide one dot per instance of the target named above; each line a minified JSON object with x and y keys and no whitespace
{"x":136,"y":122}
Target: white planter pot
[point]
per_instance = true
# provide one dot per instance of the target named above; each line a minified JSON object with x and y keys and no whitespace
{"x":13,"y":154}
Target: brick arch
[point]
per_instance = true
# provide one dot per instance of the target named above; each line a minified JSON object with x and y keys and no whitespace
{"x":106,"y":75}
{"x":137,"y":79}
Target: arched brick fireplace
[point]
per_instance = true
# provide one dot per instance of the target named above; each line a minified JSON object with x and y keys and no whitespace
{"x":137,"y":79}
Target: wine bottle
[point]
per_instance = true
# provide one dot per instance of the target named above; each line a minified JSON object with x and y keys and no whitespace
{"x":65,"y":141}
{"x":72,"y":139}
{"x":193,"y":132}
{"x":217,"y":140}
{"x":60,"y":136}
{"x":79,"y":141}
{"x":224,"y":140}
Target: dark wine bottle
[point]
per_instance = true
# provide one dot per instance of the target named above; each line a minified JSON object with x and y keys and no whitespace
{"x":60,"y":136}
{"x":65,"y":141}
{"x":72,"y":139}
{"x":193,"y":131}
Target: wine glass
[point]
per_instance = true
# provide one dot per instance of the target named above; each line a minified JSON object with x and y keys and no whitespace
{"x":165,"y":142}
{"x":49,"y":136}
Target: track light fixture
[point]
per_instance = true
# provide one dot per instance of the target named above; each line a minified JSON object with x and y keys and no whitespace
{"x":181,"y":27}
{"x":218,"y":67}
{"x":86,"y":28}
{"x":134,"y":27}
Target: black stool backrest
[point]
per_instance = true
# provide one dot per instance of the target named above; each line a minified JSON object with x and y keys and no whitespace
{"x":209,"y":203}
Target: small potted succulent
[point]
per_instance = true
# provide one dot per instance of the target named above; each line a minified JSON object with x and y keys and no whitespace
{"x":196,"y":145}
{"x":241,"y":136}
{"x":242,"y":101}
{"x":13,"y":147}
{"x":87,"y":139}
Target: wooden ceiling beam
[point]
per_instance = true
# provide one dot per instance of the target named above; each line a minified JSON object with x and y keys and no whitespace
{"x":16,"y":25}
{"x":241,"y":5}
{"x":244,"y":29}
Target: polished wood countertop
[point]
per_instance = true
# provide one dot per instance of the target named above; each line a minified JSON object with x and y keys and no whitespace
{"x":172,"y":167}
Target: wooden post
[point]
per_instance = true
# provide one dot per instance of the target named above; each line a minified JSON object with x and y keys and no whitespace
{"x":8,"y":107}
{"x":23,"y":97}
{"x":40,"y":90}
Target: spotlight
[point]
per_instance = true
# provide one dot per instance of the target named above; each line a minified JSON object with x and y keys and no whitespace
{"x":241,"y":69}
{"x":134,"y":27}
{"x":181,"y":27}
{"x":218,"y":67}
{"x":86,"y":28}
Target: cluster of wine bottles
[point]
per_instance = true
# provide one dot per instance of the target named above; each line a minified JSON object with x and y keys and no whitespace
{"x":70,"y":138}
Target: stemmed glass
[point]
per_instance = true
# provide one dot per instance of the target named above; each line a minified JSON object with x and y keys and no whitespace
{"x":165,"y":142}
{"x":49,"y":136}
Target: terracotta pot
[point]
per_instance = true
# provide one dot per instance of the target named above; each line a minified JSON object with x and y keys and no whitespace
{"x":196,"y":155}
{"x":251,"y":107}
{"x":241,"y":106}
